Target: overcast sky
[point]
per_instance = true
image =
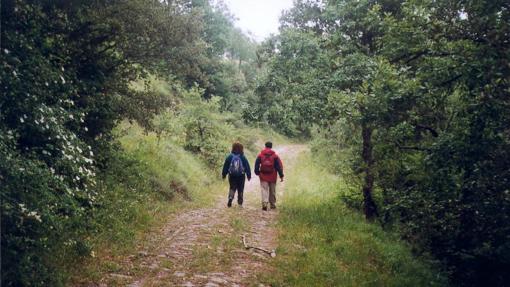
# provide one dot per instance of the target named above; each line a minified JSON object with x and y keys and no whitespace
{"x":258,"y":16}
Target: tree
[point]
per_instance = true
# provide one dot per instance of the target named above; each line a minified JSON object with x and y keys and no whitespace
{"x":343,"y":59}
{"x":458,"y":52}
{"x":66,"y":70}
{"x":423,"y":86}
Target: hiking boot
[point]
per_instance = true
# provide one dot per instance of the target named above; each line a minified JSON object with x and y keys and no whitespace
{"x":229,"y":203}
{"x":264,"y":206}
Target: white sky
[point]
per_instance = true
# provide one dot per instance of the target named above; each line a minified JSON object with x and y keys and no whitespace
{"x":260,"y":17}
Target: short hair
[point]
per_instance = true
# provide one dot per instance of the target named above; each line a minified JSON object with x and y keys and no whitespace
{"x":269,"y":144}
{"x":237,"y":147}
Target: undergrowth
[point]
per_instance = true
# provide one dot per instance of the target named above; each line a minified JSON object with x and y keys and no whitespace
{"x":322,"y":242}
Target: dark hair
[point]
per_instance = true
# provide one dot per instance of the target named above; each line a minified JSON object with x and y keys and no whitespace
{"x":269,"y":144}
{"x":237,"y":147}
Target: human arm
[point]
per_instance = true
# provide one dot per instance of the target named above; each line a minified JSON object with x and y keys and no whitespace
{"x":278,"y":165}
{"x":226,"y":165}
{"x":246,"y":165}
{"x":257,"y":166}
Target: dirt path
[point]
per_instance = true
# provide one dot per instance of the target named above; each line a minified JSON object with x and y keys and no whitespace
{"x":203,"y":247}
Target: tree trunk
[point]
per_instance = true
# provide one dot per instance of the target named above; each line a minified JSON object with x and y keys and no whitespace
{"x":369,"y":206}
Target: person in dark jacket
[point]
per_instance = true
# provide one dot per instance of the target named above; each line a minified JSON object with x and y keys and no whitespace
{"x":237,"y":167}
{"x":268,"y":166}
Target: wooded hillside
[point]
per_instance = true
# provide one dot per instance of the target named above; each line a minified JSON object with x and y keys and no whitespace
{"x":408,"y":100}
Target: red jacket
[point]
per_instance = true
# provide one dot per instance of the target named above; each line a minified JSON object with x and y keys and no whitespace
{"x":278,"y":166}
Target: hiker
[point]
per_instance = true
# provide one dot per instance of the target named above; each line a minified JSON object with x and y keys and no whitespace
{"x":268,"y":166}
{"x":237,"y":167}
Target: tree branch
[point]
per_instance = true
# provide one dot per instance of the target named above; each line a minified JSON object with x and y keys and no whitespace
{"x":432,"y":131}
{"x":412,"y":148}
{"x":413,"y":56}
{"x":447,"y":82}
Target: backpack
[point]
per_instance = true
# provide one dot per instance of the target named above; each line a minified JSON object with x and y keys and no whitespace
{"x":267,"y":164}
{"x":236,"y":166}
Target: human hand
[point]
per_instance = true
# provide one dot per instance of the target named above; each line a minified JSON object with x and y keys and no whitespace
{"x":281,"y":179}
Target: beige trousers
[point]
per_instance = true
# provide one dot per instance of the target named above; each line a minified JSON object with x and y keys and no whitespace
{"x":268,"y":192}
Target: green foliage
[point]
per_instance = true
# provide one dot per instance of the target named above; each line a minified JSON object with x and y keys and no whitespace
{"x":71,"y":72}
{"x":291,"y":101}
{"x":448,"y":192}
{"x":47,"y":151}
{"x":203,"y":129}
{"x":406,"y":98}
{"x":323,"y":243}
{"x":413,"y":107}
{"x":225,"y":46}
{"x":200,"y":127}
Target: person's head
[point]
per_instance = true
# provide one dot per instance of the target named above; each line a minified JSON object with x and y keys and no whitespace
{"x":237,"y":147}
{"x":269,"y":144}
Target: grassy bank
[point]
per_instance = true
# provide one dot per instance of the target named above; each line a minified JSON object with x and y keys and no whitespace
{"x":151,"y":181}
{"x":323,"y":243}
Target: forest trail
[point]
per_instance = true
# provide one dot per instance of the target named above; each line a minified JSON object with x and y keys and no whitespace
{"x":203,"y":247}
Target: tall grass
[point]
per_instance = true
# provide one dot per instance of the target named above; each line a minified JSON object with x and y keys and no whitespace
{"x":324,"y":243}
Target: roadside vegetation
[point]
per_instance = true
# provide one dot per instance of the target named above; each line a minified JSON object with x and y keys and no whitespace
{"x":115,"y":115}
{"x":408,"y":102}
{"x":108,"y":123}
{"x":323,"y":242}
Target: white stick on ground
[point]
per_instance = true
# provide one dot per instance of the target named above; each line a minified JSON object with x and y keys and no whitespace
{"x":271,"y":253}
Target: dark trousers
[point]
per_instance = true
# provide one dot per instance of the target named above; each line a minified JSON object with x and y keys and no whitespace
{"x":236,"y":184}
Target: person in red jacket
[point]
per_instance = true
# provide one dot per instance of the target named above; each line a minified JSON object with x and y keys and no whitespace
{"x":268,"y":167}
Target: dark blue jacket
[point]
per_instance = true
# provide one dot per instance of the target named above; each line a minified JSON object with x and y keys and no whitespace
{"x":246,"y":165}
